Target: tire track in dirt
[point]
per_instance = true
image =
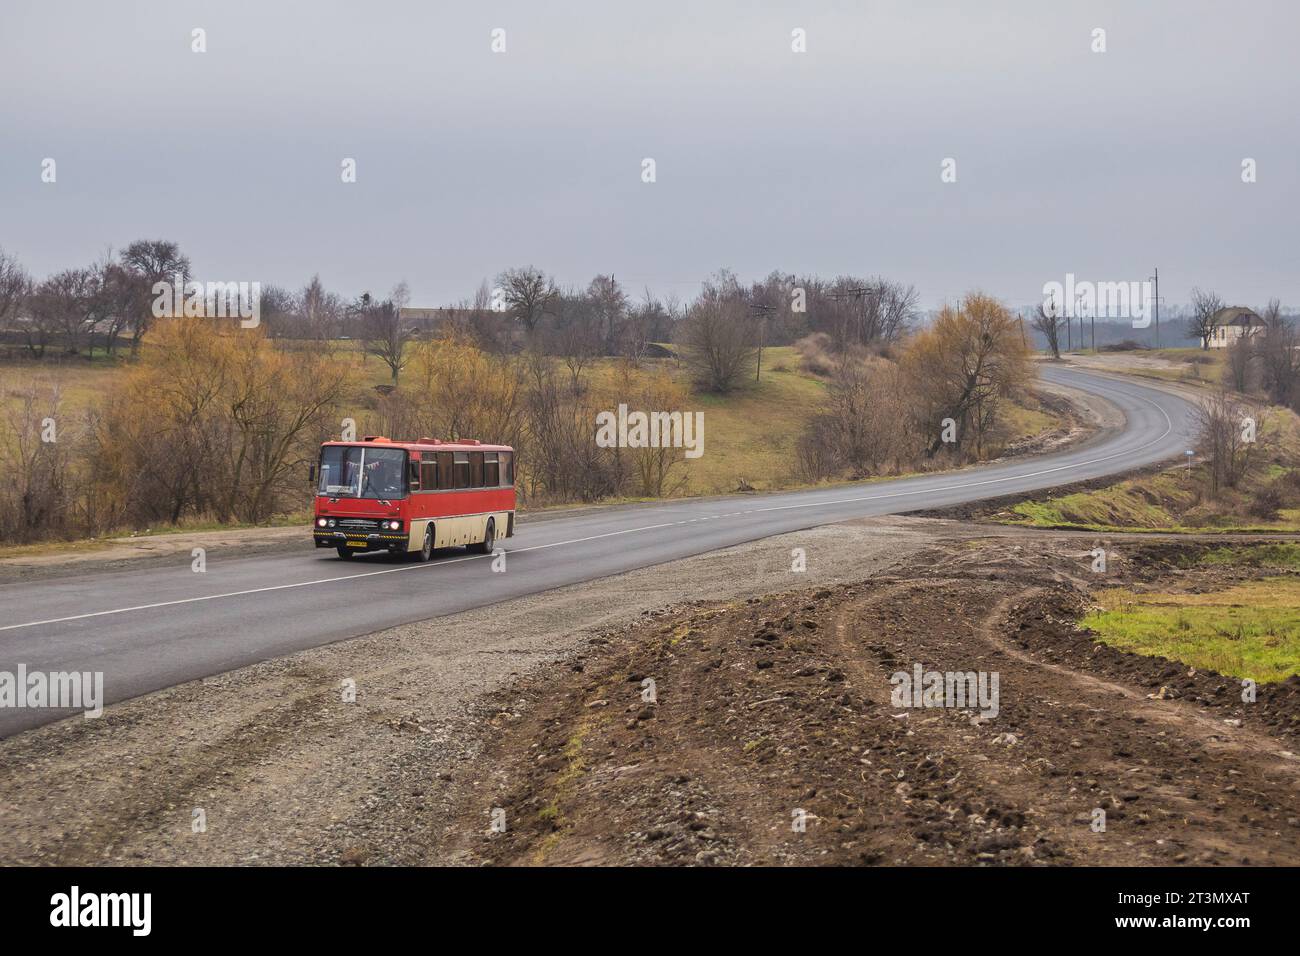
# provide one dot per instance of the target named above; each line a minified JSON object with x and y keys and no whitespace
{"x":784,"y":703}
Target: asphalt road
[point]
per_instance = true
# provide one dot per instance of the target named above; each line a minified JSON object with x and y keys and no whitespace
{"x":146,"y":629}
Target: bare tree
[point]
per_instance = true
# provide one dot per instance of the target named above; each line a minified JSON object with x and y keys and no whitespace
{"x":476,"y":318}
{"x":1200,"y":321}
{"x":1272,"y":314}
{"x":646,"y":320}
{"x":610,"y":303}
{"x":1238,"y":371}
{"x":65,"y":306}
{"x":861,"y":425}
{"x":528,"y":294}
{"x":893,"y":308}
{"x":577,"y":335}
{"x":121,"y":298}
{"x":1048,"y":322}
{"x":1279,"y":358}
{"x":1224,"y":424}
{"x":565,"y":462}
{"x":855,"y":312}
{"x":281,"y":314}
{"x":15,"y":284}
{"x":717,"y":337}
{"x":383,"y":331}
{"x":153,"y":260}
{"x":320,"y":309}
{"x":41,"y":323}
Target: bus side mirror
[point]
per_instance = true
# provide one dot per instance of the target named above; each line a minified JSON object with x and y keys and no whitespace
{"x":311,"y":473}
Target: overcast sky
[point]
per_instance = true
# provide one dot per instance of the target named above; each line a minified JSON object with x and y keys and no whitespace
{"x":829,"y":161}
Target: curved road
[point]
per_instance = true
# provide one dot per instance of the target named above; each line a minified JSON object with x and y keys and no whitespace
{"x":146,"y":629}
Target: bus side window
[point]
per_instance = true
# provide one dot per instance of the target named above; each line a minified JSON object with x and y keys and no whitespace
{"x":429,"y":474}
{"x":462,"y":469}
{"x":507,"y":469}
{"x":491,"y":470}
{"x":413,"y":474}
{"x":476,"y":469}
{"x":446,"y":474}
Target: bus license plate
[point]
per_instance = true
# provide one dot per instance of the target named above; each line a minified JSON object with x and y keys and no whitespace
{"x":356,"y":544}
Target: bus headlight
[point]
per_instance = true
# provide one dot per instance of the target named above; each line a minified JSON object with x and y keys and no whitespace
{"x":320,"y":522}
{"x":332,"y":522}
{"x":394,"y":526}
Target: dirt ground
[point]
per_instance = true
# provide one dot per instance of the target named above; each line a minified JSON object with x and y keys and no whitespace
{"x":773,"y":710}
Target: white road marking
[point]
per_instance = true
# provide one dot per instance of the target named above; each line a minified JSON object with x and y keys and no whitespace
{"x":1169,"y":427}
{"x":307,"y":584}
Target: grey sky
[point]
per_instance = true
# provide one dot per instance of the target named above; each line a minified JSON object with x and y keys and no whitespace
{"x":1101,"y":164}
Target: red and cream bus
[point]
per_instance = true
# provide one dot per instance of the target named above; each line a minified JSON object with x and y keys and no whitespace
{"x":413,"y":497}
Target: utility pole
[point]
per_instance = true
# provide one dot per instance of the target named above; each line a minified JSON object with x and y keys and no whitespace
{"x":1069,"y":323}
{"x":1055,"y":343}
{"x":860,"y":294}
{"x":1078,"y":308}
{"x":763,"y":311}
{"x":1156,"y":278}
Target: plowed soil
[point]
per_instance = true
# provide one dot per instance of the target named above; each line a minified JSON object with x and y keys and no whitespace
{"x":777,"y":710}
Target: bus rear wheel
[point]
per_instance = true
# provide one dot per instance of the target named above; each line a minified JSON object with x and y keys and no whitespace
{"x":489,"y":539}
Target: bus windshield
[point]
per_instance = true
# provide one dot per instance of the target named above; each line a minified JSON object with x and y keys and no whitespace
{"x":352,"y":471}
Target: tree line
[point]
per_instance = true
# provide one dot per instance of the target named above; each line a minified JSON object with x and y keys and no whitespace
{"x":209,"y":421}
{"x":110,"y":302}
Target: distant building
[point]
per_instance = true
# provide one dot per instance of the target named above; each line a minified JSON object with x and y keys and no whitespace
{"x":427,"y":321}
{"x":1230,"y":324}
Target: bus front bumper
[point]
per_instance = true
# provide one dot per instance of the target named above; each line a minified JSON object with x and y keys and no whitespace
{"x":360,"y":542}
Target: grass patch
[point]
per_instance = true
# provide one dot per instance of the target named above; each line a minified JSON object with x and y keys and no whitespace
{"x":1251,"y":630}
{"x":552,"y":813}
{"x":1284,"y":555}
{"x":1025,"y":422}
{"x":1149,"y":504}
{"x":1178,"y":500}
{"x":80,"y":384}
{"x":751,"y":432}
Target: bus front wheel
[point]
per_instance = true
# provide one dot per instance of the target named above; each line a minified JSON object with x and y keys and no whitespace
{"x":345,"y":553}
{"x":426,"y":550}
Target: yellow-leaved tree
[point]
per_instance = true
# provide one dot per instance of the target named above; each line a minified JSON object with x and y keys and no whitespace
{"x":213,"y":421}
{"x":961,"y":367}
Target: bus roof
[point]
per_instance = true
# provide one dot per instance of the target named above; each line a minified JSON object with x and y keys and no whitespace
{"x":420,"y":444}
